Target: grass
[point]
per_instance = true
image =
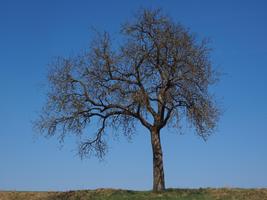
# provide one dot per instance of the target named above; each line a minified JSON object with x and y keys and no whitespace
{"x":169,"y":194}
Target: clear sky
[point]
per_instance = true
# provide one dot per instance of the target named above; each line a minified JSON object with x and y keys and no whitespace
{"x":33,"y":32}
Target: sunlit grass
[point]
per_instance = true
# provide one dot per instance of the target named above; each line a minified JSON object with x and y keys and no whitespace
{"x":169,"y":194}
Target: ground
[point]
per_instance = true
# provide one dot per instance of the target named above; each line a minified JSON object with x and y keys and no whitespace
{"x":169,"y":194}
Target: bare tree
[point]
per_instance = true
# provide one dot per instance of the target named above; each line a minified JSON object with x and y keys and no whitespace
{"x":159,"y":74}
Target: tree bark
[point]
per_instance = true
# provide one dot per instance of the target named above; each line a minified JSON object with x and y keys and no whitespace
{"x":158,"y":171}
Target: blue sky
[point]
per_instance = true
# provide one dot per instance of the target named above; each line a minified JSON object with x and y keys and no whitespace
{"x":33,"y":32}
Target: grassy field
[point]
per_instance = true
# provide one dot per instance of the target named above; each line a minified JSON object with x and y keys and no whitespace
{"x":110,"y":194}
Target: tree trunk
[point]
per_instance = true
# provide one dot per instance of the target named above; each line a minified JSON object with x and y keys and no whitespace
{"x":158,"y":171}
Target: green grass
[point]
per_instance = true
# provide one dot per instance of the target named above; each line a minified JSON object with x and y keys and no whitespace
{"x":111,"y":194}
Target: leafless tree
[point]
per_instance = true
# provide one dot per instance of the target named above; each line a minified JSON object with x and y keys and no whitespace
{"x":158,"y":75}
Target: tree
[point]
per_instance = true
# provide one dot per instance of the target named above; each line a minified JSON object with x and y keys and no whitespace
{"x":159,"y":75}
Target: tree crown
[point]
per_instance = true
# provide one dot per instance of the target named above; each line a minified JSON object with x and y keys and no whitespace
{"x":159,"y":74}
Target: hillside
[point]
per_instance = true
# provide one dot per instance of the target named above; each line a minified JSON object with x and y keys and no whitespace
{"x":170,"y":194}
